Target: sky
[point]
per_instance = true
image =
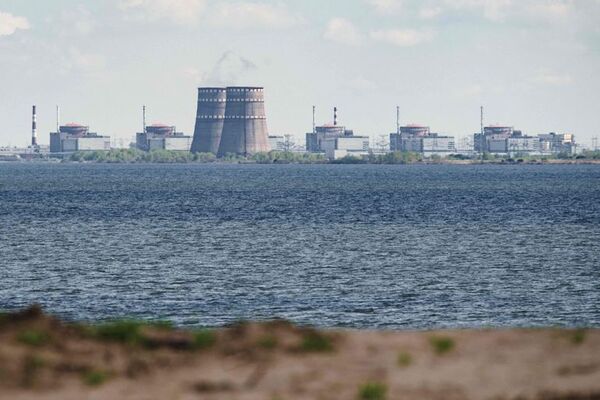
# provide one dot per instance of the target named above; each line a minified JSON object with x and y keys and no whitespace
{"x":533,"y":64}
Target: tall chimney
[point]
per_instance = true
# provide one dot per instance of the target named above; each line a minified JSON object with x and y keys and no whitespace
{"x":398,"y":119}
{"x":314,"y":123}
{"x":57,"y":119}
{"x":482,"y":120}
{"x":34,"y":127}
{"x":143,"y":119}
{"x":335,"y":116}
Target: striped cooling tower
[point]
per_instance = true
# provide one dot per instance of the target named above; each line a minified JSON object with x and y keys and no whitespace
{"x":209,"y":120}
{"x":245,"y":128}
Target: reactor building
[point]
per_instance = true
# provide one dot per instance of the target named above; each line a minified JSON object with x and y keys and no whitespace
{"x":162,"y":137}
{"x":335,"y":140}
{"x":75,"y":137}
{"x":420,"y":139}
{"x":507,"y":140}
{"x":231,"y":120}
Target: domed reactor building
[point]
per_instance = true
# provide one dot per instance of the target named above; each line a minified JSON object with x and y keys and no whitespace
{"x":231,"y":121}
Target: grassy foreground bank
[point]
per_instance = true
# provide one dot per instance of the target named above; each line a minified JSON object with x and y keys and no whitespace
{"x":44,"y":358}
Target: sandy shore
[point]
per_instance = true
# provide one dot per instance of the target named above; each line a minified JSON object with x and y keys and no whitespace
{"x":42,"y":358}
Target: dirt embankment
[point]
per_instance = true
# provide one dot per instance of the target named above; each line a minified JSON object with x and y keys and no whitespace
{"x":43,"y":358}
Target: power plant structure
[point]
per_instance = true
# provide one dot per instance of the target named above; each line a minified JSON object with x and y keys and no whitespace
{"x":335,"y":140}
{"x":210,"y":117}
{"x":161,"y":137}
{"x":76,"y":137}
{"x":420,"y":139}
{"x":34,"y":128}
{"x":231,"y":120}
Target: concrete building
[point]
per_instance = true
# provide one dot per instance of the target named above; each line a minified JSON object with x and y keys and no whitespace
{"x":419,"y":139}
{"x":315,"y":140}
{"x":162,"y":137}
{"x":506,"y":140}
{"x":340,"y":147}
{"x":558,"y":143}
{"x":495,"y":134}
{"x":75,"y":137}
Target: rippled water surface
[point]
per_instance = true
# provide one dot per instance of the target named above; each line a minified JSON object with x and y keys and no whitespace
{"x":354,"y":246}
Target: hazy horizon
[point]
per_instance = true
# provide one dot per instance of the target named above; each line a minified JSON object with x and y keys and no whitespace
{"x":532,"y":64}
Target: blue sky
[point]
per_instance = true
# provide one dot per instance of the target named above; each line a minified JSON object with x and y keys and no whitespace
{"x":532,"y":63}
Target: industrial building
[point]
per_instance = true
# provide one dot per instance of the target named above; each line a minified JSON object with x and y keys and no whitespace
{"x":335,"y":140}
{"x":558,"y":143}
{"x":162,"y":137}
{"x":343,"y":146}
{"x":75,"y":137}
{"x":420,"y":139}
{"x":231,"y":121}
{"x":507,"y":140}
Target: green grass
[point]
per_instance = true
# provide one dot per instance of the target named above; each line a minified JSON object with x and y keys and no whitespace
{"x":95,"y":377}
{"x":125,"y":331}
{"x":33,"y":337}
{"x":268,"y":342}
{"x":404,"y":359}
{"x":315,"y":342}
{"x":442,"y":344}
{"x":372,"y":391}
{"x":204,"y":339}
{"x":578,"y":336}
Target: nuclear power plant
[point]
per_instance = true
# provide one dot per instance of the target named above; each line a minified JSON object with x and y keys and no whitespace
{"x":231,"y":121}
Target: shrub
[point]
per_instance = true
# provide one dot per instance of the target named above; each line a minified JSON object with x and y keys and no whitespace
{"x":441,"y":344}
{"x":204,"y":339}
{"x":95,"y":377}
{"x":578,"y":336}
{"x":315,"y":342}
{"x":268,"y":342}
{"x":404,"y":359}
{"x":32,"y":337}
{"x":372,"y":391}
{"x":125,"y":331}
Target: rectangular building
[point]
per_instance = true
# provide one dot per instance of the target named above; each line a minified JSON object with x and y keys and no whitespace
{"x":162,"y":137}
{"x":74,"y":137}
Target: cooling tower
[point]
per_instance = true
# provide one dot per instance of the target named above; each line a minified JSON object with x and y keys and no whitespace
{"x":209,"y":120}
{"x":245,"y":128}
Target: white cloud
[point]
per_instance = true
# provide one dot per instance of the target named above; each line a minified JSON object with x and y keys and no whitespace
{"x":178,"y":11}
{"x":494,"y":10}
{"x":9,"y":23}
{"x":552,"y":79}
{"x":429,"y":12}
{"x":341,"y":30}
{"x":402,"y":37}
{"x":248,"y":15}
{"x":387,"y":6}
{"x":76,"y":61}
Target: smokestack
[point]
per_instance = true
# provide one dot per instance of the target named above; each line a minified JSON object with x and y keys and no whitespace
{"x":144,"y":119}
{"x":334,"y":116}
{"x":398,"y":119}
{"x":34,"y":127}
{"x":314,"y":124}
{"x":482,"y":120}
{"x":57,"y":119}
